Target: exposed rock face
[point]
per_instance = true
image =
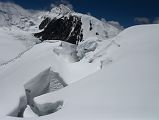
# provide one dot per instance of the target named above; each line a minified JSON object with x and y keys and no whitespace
{"x":66,"y":28}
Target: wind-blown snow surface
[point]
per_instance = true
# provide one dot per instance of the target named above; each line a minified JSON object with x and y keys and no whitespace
{"x":128,"y":88}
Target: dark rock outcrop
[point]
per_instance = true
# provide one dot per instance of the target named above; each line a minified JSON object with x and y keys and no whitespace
{"x":90,"y":26}
{"x":65,"y":28}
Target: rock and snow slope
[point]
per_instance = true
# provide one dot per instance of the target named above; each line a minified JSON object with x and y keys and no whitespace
{"x":61,"y":23}
{"x":18,"y":24}
{"x":128,"y":88}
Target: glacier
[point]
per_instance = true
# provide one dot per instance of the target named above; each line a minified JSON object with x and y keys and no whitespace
{"x":111,"y":73}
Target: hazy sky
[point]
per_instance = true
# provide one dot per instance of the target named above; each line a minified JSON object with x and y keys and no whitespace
{"x":124,"y":11}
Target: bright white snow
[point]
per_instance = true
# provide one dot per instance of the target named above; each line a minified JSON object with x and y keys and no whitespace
{"x":126,"y":89}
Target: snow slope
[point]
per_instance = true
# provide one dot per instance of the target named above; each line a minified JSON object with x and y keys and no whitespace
{"x":9,"y":48}
{"x":42,"y":56}
{"x":16,"y":27}
{"x":126,"y":89}
{"x":14,"y":42}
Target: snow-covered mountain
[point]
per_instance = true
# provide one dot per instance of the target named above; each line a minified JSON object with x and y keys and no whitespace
{"x":106,"y":73}
{"x":62,"y":23}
